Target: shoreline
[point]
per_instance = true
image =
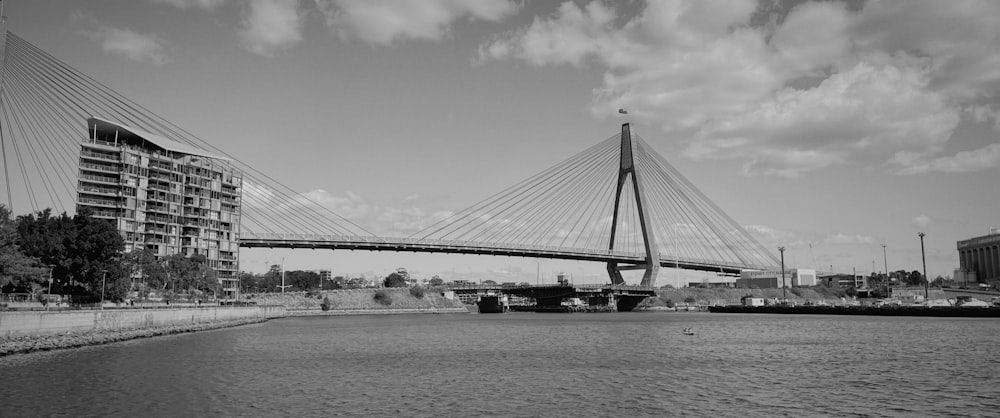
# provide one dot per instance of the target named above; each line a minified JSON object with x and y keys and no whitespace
{"x":390,"y":311}
{"x":24,"y":344}
{"x":35,"y":343}
{"x":942,"y":311}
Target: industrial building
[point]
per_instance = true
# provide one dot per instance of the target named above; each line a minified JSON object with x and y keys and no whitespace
{"x":979,"y":257}
{"x":767,"y":279}
{"x":163,"y":195}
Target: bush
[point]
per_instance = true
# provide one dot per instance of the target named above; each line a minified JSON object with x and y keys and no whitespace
{"x":326,"y":305}
{"x":383,"y":297}
{"x":689,"y":299}
{"x":394,"y":280}
{"x":669,"y":302}
{"x":417,"y":292}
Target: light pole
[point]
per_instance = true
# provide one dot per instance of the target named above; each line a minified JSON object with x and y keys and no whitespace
{"x":886,"y":260}
{"x":923,"y":257}
{"x":104,"y":278}
{"x":783,"y":294}
{"x":50,"y":288}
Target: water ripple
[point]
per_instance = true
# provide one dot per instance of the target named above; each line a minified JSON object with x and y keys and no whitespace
{"x":528,"y":365}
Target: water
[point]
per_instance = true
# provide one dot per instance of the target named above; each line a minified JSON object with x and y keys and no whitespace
{"x":523,"y":364}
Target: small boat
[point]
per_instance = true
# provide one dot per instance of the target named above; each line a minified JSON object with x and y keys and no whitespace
{"x":688,"y":331}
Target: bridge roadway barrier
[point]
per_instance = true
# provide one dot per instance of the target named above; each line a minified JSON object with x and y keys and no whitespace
{"x":20,"y":323}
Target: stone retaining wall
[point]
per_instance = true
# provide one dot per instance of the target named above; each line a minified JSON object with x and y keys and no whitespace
{"x":18,"y":323}
{"x":334,"y":312}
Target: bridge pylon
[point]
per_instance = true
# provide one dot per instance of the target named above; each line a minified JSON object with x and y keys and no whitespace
{"x":626,"y":168}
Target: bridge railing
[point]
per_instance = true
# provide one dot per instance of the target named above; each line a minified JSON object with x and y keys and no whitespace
{"x":406,"y":241}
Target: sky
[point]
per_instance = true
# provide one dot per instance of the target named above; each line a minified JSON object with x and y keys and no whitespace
{"x":829,"y":128}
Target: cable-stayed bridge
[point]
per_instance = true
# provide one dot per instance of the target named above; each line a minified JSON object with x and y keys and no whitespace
{"x":617,"y":202}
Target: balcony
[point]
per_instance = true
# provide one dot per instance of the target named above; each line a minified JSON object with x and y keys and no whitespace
{"x":100,"y":156}
{"x":104,"y":214}
{"x":98,"y":190}
{"x":99,"y":167}
{"x":158,"y":208}
{"x":153,"y":164}
{"x":154,"y":186}
{"x":99,"y":202}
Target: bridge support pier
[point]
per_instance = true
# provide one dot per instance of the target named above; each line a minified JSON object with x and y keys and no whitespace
{"x":627,"y":167}
{"x":652,"y":269}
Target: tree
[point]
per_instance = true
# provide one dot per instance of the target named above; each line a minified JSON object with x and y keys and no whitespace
{"x":96,"y":247}
{"x":142,"y":263}
{"x":269,"y":282}
{"x":16,"y":269}
{"x":189,"y":273}
{"x":394,"y":279}
{"x":248,"y":282}
{"x":302,"y":280}
{"x":436,"y":281}
{"x":79,"y":248}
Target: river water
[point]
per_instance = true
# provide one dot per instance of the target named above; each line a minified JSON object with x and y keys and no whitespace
{"x":524,"y":364}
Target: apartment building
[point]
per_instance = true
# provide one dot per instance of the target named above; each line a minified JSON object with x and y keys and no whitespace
{"x":167,"y":196}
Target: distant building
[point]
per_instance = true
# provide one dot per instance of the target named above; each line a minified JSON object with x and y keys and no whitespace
{"x":841,"y":280}
{"x":767,"y":279}
{"x":162,"y":195}
{"x":804,"y":277}
{"x":981,"y":255}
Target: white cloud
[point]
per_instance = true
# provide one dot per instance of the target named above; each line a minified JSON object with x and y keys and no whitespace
{"x":922,"y":220}
{"x":133,"y":45}
{"x":962,"y":162}
{"x":769,"y":236}
{"x":396,"y":221}
{"x":388,"y":21}
{"x":845,"y":239}
{"x":818,"y":86}
{"x":191,"y":4}
{"x":880,"y":105}
{"x":270,"y":25}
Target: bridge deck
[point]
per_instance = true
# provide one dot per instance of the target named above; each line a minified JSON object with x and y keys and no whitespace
{"x":463,"y":247}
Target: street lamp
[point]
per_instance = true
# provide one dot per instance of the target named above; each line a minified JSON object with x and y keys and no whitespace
{"x":50,"y":287}
{"x":783,"y":294}
{"x":923,"y":257}
{"x":886,"y":260}
{"x":104,"y":279}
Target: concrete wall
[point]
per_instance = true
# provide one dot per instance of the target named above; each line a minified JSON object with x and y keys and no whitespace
{"x":13,"y":323}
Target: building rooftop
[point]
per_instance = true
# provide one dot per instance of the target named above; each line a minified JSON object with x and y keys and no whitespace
{"x":106,"y":130}
{"x":993,"y":237}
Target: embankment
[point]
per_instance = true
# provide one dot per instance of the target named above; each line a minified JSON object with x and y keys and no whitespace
{"x":723,"y":296}
{"x":25,"y":331}
{"x":362,"y":302}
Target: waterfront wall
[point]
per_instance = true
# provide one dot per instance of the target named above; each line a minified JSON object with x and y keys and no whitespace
{"x":362,"y":301}
{"x":20,"y":323}
{"x":799,"y":295}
